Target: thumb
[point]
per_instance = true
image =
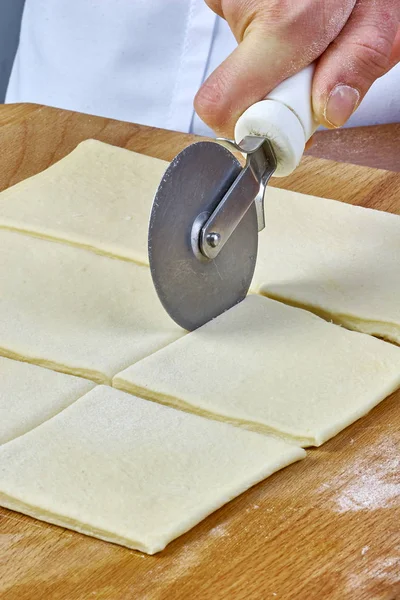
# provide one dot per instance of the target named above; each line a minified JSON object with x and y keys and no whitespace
{"x":367,"y":47}
{"x":246,"y":77}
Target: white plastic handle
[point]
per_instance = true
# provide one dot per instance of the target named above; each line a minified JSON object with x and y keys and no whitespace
{"x":285,"y":117}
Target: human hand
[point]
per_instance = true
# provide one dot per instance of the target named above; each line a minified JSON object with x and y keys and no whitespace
{"x":356,"y":42}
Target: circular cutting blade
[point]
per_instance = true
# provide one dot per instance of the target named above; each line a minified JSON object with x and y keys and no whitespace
{"x":192,"y":289}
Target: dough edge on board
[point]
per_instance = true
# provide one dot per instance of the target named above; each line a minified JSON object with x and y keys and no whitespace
{"x":61,"y":521}
{"x":284,"y":267}
{"x":36,"y":500}
{"x":153,"y":544}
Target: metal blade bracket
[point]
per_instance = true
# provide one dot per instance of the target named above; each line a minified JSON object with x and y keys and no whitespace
{"x":247,"y":188}
{"x":192,"y":288}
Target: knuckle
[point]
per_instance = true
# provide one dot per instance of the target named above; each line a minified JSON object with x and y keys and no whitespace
{"x":372,"y":56}
{"x":240,"y":15}
{"x":209,"y":102}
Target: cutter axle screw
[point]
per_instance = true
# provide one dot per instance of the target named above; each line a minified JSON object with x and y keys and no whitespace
{"x":213,"y":239}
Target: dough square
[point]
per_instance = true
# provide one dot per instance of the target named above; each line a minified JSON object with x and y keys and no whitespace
{"x":271,"y":368}
{"x":133,"y":472}
{"x":341,"y":261}
{"x":75,"y":311}
{"x":99,"y":196}
{"x":29,"y":395}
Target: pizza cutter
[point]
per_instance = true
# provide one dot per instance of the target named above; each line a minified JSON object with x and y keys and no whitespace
{"x":208,"y":209}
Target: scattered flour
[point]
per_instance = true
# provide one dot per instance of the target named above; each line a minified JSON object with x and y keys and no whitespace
{"x":250,"y":508}
{"x":188,"y":558}
{"x":385,"y":571}
{"x":219,"y":531}
{"x":373,"y":484}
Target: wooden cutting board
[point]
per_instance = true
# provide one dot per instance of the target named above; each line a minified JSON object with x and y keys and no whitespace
{"x":325,"y":528}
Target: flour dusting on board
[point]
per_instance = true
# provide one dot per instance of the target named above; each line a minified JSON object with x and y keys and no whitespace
{"x":366,"y":577}
{"x":192,"y":554}
{"x":219,"y":531}
{"x":374,"y":482}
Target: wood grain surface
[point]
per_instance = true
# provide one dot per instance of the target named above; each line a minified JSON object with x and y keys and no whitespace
{"x":325,"y":528}
{"x":376,"y":146}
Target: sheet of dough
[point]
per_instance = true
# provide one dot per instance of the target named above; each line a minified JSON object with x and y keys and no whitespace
{"x":75,"y":311}
{"x":271,"y":368}
{"x":133,"y":472}
{"x":99,"y":196}
{"x":29,"y":395}
{"x":341,"y":261}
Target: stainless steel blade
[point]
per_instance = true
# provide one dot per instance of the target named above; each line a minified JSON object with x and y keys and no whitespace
{"x":192,"y":288}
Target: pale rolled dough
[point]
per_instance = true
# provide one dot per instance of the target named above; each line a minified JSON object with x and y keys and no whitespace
{"x":341,"y":261}
{"x":271,"y":368}
{"x":29,"y":395}
{"x":133,"y":472}
{"x":98,"y":197}
{"x":75,"y":311}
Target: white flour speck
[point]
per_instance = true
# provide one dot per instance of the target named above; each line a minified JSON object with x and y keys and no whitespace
{"x":364,"y":550}
{"x":254,"y":507}
{"x":127,"y":218}
{"x":219,"y":531}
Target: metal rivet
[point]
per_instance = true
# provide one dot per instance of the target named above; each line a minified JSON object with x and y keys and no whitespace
{"x":213,"y":239}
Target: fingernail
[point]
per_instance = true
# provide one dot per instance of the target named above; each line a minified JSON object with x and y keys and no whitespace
{"x":341,"y":104}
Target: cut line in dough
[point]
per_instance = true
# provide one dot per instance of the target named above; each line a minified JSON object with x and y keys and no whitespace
{"x":29,"y":395}
{"x":133,"y":472}
{"x":271,"y":368}
{"x":380,"y":329}
{"x":76,"y":312}
{"x":340,"y":261}
{"x":98,"y":197}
